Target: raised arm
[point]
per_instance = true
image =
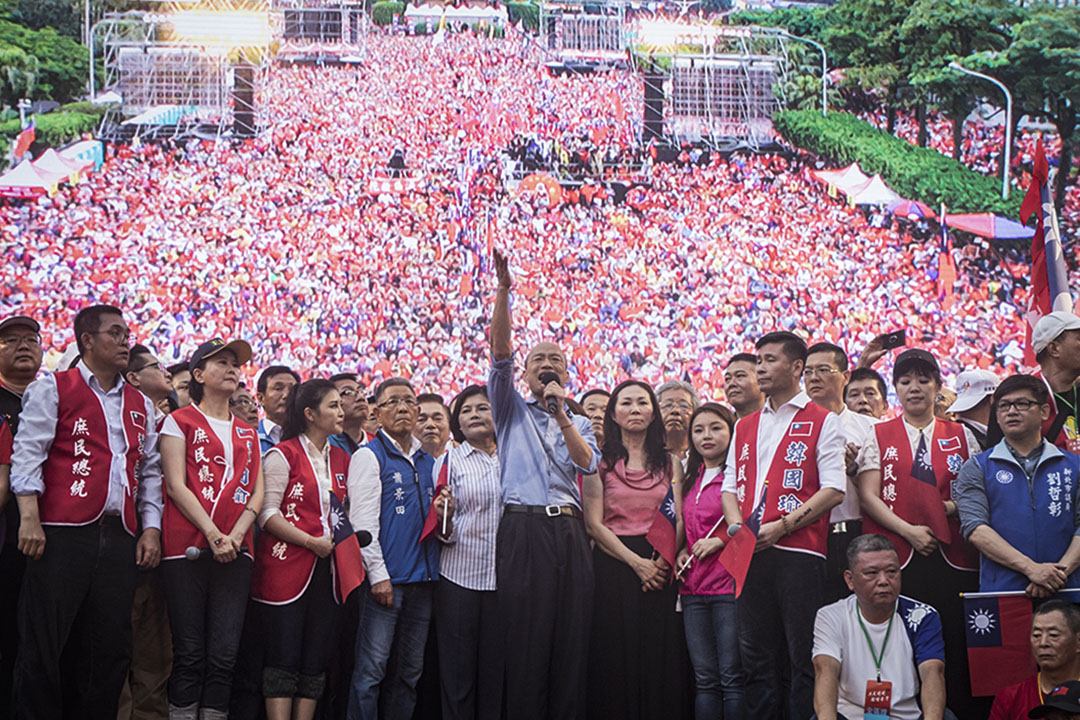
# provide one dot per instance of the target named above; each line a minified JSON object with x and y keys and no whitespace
{"x":500,"y":318}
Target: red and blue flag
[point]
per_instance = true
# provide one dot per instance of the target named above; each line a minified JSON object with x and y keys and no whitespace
{"x":661,"y":533}
{"x":998,"y":631}
{"x":739,"y":550}
{"x":348,"y":565}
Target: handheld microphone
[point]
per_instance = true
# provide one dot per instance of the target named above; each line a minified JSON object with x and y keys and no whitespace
{"x":193,"y":553}
{"x":363,"y":537}
{"x":546,"y":378}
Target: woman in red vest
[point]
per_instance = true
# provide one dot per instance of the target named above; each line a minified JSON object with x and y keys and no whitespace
{"x":906,"y":470}
{"x":214,"y":489}
{"x":293,"y":580}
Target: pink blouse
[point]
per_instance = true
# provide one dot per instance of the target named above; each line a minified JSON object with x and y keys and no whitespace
{"x":631,"y":497}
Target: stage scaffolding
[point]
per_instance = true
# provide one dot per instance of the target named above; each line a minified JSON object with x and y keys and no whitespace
{"x":587,"y":33}
{"x":719,"y":85}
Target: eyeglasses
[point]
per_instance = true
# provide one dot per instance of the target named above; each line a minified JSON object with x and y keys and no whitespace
{"x":349,"y":392}
{"x":17,"y":340}
{"x":668,"y":405}
{"x":824,"y":371}
{"x":148,"y":366}
{"x":1023,"y":405}
{"x":242,"y":402}
{"x":409,"y":402}
{"x":122,"y":337}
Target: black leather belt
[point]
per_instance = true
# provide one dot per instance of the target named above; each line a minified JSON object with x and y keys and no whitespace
{"x":549,"y":510}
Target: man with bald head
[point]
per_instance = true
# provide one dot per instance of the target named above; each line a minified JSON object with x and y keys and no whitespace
{"x":543,"y":565}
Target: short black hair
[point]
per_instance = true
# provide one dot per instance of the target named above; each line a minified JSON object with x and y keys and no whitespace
{"x":791,"y":344}
{"x":177,"y":368}
{"x":1032,"y":384}
{"x":594,"y":391}
{"x":272,"y":371}
{"x":137,"y":350}
{"x":433,"y":398}
{"x":1071,"y":611}
{"x":344,"y":376}
{"x":839,"y":356}
{"x":868,"y":374}
{"x":741,"y":357}
{"x":456,"y":403}
{"x":389,"y":383}
{"x":88,"y":320}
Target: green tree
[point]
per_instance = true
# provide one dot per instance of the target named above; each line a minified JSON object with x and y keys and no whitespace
{"x":19,"y":76}
{"x":63,"y":62}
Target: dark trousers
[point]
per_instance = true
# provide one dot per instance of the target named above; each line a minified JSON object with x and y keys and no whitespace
{"x":470,"y":652}
{"x":297,"y":640}
{"x":545,"y":579}
{"x":207,"y":603}
{"x":144,"y":696}
{"x":77,"y":596}
{"x":840,"y":536}
{"x":12,"y":568}
{"x":776,"y":611}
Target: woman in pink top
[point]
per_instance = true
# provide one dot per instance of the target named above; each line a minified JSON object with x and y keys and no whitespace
{"x":637,"y":655}
{"x":707,"y":593}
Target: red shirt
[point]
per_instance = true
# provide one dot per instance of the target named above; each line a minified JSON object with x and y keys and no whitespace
{"x":1014,"y":702}
{"x":5,"y":442}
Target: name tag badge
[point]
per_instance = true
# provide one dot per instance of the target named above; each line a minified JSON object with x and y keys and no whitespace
{"x":1073,"y":445}
{"x":878,"y":700}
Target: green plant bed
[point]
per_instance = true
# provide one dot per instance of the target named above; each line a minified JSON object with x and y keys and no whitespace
{"x":382,"y":13}
{"x":527,"y":12}
{"x":913,"y":172}
{"x":54,"y":129}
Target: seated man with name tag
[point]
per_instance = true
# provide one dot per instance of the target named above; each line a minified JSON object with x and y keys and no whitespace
{"x":878,"y":654}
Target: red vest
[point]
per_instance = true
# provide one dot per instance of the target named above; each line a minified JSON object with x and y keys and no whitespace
{"x":283,"y":570}
{"x":792,"y":478}
{"x":948,"y":451}
{"x":1063,"y":441}
{"x":76,"y":471}
{"x":205,"y":460}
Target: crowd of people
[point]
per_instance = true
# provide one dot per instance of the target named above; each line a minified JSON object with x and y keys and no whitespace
{"x":242,"y":353}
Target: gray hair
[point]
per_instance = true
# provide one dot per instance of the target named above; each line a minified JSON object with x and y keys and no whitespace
{"x":679,"y":385}
{"x":869,"y":543}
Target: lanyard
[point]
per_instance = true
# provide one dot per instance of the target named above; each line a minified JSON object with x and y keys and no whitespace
{"x":877,"y":658}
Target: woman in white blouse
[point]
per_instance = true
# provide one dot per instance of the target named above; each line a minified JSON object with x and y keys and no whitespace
{"x":293,"y":579}
{"x":466,"y":624}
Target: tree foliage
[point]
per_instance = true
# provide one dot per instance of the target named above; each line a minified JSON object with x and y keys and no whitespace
{"x":61,"y":62}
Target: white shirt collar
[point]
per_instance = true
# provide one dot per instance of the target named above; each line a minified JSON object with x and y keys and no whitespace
{"x":92,"y":381}
{"x":800,"y":401}
{"x":312,"y":450}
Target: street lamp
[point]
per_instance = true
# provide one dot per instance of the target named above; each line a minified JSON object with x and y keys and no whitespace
{"x":1008,"y":122}
{"x":824,"y":66}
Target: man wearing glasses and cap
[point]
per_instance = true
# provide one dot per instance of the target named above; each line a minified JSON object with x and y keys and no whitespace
{"x":20,"y":360}
{"x":971,"y":408}
{"x":85,"y":470}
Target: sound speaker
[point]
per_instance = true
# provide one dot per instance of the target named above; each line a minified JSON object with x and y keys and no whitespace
{"x":244,"y":101}
{"x":654,"y":107}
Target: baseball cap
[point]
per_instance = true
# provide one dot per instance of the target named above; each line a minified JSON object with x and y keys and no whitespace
{"x":212,"y":347}
{"x":1065,"y":697}
{"x":972,"y":387}
{"x":1050,"y":327}
{"x":912,"y":360}
{"x":19,"y":321}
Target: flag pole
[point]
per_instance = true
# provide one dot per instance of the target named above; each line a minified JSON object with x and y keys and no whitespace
{"x":1012,"y":593}
{"x":691,"y":558}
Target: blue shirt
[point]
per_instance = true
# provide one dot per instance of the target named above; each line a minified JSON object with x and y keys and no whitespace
{"x":536,"y":468}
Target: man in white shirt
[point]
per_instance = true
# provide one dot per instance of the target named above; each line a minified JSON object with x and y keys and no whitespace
{"x":878,"y":653}
{"x":825,"y":376}
{"x":786,"y":464}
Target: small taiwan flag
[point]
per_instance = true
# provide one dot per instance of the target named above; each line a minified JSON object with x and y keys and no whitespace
{"x":739,"y":550}
{"x":801,"y":429}
{"x":432,"y":519}
{"x":348,"y":565}
{"x":661,"y":533}
{"x":998,"y":632}
{"x":25,"y":139}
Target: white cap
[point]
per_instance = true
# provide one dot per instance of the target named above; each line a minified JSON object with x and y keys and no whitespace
{"x":972,"y":387}
{"x":1051,"y":326}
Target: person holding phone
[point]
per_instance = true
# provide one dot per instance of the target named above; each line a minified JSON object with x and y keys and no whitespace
{"x":214,"y":486}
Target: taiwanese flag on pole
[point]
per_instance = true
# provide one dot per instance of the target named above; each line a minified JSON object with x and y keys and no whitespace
{"x":998,"y":631}
{"x":1049,"y":286}
{"x":739,"y":550}
{"x":661,"y":533}
{"x":432,"y":519}
{"x":348,"y":565}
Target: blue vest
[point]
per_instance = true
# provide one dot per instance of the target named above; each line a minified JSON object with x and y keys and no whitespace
{"x":1036,"y":519}
{"x":407,"y":492}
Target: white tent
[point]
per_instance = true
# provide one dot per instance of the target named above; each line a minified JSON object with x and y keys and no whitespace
{"x":26,"y":181}
{"x":50,"y":162}
{"x":434,"y":14}
{"x":845,"y":179}
{"x":874,"y":192}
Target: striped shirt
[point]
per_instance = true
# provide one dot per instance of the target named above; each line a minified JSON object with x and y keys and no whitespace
{"x":468,"y":557}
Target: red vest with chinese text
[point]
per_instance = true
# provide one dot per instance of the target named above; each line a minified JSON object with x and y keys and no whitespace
{"x":1063,"y":441}
{"x":204,"y":457}
{"x":948,"y":452}
{"x":792,"y":477}
{"x":283,"y":570}
{"x":76,"y":471}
